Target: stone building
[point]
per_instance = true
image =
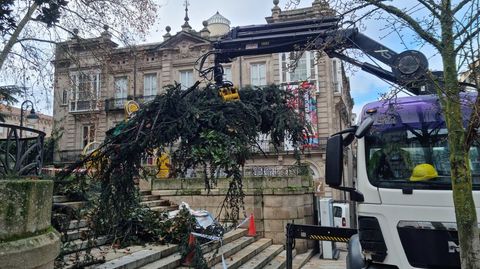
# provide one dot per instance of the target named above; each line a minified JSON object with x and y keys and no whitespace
{"x":94,"y":77}
{"x":12,"y":116}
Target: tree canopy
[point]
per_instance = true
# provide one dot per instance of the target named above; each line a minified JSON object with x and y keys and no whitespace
{"x":29,"y":31}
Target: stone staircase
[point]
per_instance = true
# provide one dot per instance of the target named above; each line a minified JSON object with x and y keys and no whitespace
{"x":239,"y":251}
{"x":74,"y":239}
{"x":156,"y":203}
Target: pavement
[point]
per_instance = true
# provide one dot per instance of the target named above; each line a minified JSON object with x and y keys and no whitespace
{"x":316,"y":263}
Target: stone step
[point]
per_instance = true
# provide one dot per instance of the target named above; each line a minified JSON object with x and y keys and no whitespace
{"x":74,"y":234}
{"x":79,"y":245}
{"x":75,"y":205}
{"x":227,"y":238}
{"x":280,"y":261}
{"x":301,"y":259}
{"x":245,"y":254}
{"x":170,"y":262}
{"x":139,"y":258}
{"x":155,"y":203}
{"x":163,"y":208}
{"x":262,"y":258}
{"x":227,"y":250}
{"x":77,"y":224}
{"x":145,"y":192}
{"x":150,"y":197}
{"x":60,"y":199}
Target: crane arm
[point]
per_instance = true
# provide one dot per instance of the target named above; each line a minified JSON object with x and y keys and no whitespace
{"x":407,"y":68}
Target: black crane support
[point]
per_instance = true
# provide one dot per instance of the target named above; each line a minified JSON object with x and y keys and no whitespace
{"x":313,"y":232}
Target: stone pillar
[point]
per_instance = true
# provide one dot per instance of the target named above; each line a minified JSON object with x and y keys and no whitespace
{"x":27,"y":239}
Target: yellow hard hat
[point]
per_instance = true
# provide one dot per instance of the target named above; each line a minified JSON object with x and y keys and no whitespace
{"x":423,"y":171}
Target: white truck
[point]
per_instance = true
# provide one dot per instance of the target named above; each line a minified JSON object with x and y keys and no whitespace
{"x":405,"y":209}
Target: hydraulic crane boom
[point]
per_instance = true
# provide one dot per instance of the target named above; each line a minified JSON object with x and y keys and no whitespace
{"x":408,"y":69}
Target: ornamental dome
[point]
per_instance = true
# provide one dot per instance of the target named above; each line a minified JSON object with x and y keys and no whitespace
{"x":218,"y":25}
{"x":218,"y":18}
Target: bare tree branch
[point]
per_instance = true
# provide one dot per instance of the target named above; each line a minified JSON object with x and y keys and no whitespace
{"x":460,"y":6}
{"x":431,"y":6}
{"x":467,"y":39}
{"x":466,"y":27}
{"x":36,"y":39}
{"x":409,"y":21}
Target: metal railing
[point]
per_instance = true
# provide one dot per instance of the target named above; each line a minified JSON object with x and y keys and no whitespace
{"x":21,"y":151}
{"x":115,"y":104}
{"x":265,"y":146}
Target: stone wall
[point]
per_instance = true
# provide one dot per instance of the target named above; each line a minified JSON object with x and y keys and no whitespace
{"x":274,"y":201}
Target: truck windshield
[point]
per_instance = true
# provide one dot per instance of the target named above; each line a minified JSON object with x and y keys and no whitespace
{"x":407,"y":147}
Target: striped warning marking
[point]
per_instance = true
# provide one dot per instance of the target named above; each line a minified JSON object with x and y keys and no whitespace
{"x":329,"y":238}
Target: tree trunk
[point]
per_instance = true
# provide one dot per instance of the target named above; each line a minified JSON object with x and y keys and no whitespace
{"x":465,"y":211}
{"x":13,"y":39}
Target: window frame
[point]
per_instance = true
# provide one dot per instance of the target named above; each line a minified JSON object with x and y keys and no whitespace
{"x":150,"y":85}
{"x":255,"y":70}
{"x":189,"y":79}
{"x":89,"y":102}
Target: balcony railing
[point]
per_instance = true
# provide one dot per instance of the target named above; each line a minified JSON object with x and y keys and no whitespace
{"x":265,"y":146}
{"x":21,"y":151}
{"x":83,"y":105}
{"x":115,"y":104}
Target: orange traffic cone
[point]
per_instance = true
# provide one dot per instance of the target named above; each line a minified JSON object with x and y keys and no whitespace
{"x":252,"y":231}
{"x":189,"y":257}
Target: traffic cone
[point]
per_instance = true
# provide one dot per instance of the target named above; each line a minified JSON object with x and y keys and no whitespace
{"x":189,"y":257}
{"x":252,"y":231}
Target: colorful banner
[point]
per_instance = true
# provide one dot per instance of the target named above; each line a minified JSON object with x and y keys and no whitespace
{"x":305,"y":103}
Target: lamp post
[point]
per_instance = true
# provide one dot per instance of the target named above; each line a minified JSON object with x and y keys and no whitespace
{"x":32,"y":117}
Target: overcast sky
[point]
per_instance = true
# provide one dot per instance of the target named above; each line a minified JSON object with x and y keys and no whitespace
{"x":364,"y":87}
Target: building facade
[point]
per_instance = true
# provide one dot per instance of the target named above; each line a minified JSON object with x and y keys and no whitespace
{"x":12,"y":116}
{"x":94,"y":78}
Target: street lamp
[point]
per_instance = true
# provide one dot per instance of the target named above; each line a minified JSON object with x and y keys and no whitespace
{"x":32,"y":118}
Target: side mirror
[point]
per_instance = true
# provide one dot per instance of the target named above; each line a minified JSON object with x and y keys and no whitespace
{"x":364,"y":127}
{"x":334,"y":161}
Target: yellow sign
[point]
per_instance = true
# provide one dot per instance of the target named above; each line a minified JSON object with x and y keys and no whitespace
{"x":130,"y":108}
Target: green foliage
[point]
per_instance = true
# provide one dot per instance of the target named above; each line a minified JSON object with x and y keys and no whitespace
{"x":7,"y":21}
{"x":50,"y":11}
{"x":207,"y":133}
{"x":7,"y":94}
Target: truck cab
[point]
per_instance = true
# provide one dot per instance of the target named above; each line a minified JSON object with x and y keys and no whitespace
{"x":406,"y":216}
